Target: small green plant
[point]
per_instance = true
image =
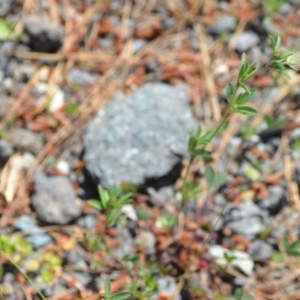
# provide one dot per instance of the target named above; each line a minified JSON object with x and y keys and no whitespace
{"x":167,"y":221}
{"x":238,"y":96}
{"x":272,"y":7}
{"x":292,"y":250}
{"x":118,"y":296}
{"x":111,"y":202}
{"x":274,"y":123}
{"x":239,"y":295}
{"x":144,"y":284}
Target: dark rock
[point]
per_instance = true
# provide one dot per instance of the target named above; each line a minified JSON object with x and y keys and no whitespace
{"x":260,"y":250}
{"x":139,"y":136}
{"x":268,"y":135}
{"x":226,"y":24}
{"x":275,"y":200}
{"x":54,"y":199}
{"x":41,"y":35}
{"x":26,"y":140}
{"x":246,"y":40}
{"x":6,"y":151}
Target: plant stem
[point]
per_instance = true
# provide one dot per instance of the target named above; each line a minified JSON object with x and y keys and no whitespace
{"x":193,"y":157}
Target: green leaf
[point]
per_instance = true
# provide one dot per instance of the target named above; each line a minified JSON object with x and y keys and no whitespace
{"x":198,"y":131}
{"x":243,"y":67}
{"x":202,"y":152}
{"x":293,"y":253}
{"x":206,"y":138}
{"x":245,"y":97}
{"x":121,"y":296}
{"x":284,"y":72}
{"x":219,"y":180}
{"x":107,"y":288}
{"x":244,"y":87}
{"x":246,"y":110}
{"x":96,"y":204}
{"x":252,"y":69}
{"x":272,"y":42}
{"x":295,"y":246}
{"x":285,"y":243}
{"x":6,"y":30}
{"x":278,"y":43}
{"x":104,"y":196}
{"x":251,"y":172}
{"x":192,"y":144}
{"x":238,"y":294}
{"x":229,"y":92}
{"x":132,"y":258}
{"x":277,"y":257}
{"x":209,"y":174}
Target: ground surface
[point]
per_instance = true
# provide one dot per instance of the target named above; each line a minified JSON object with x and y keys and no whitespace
{"x":65,"y":61}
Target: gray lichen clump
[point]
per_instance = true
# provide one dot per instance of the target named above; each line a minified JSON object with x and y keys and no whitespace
{"x":140,"y":136}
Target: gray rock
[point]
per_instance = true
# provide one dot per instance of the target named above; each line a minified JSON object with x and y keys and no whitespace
{"x":146,"y":241}
{"x":26,"y":223}
{"x":138,"y":44}
{"x":26,"y":140}
{"x":246,"y":40}
{"x":126,"y":246}
{"x":226,"y":24}
{"x":54,"y":199}
{"x":76,"y":259}
{"x":166,"y":287}
{"x":82,"y":77}
{"x":54,"y":290}
{"x":6,"y":151}
{"x":41,"y":35}
{"x":275,"y":200}
{"x":88,"y":221}
{"x":6,"y":6}
{"x":285,"y":9}
{"x":260,"y":250}
{"x":246,"y":219}
{"x":140,"y":136}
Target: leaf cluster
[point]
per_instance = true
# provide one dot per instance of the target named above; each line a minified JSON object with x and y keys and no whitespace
{"x":292,"y":249}
{"x":281,"y":59}
{"x":111,"y":202}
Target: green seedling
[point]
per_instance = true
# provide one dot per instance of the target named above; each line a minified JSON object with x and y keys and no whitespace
{"x":111,"y":202}
{"x":239,"y":295}
{"x":292,"y":250}
{"x":167,"y":221}
{"x":118,"y":296}
{"x":274,"y":123}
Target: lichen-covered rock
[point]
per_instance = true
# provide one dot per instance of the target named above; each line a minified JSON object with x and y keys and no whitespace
{"x":140,"y":136}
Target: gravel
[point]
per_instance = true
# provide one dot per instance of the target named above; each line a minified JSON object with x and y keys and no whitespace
{"x":226,"y":24}
{"x":246,"y":40}
{"x":246,"y":219}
